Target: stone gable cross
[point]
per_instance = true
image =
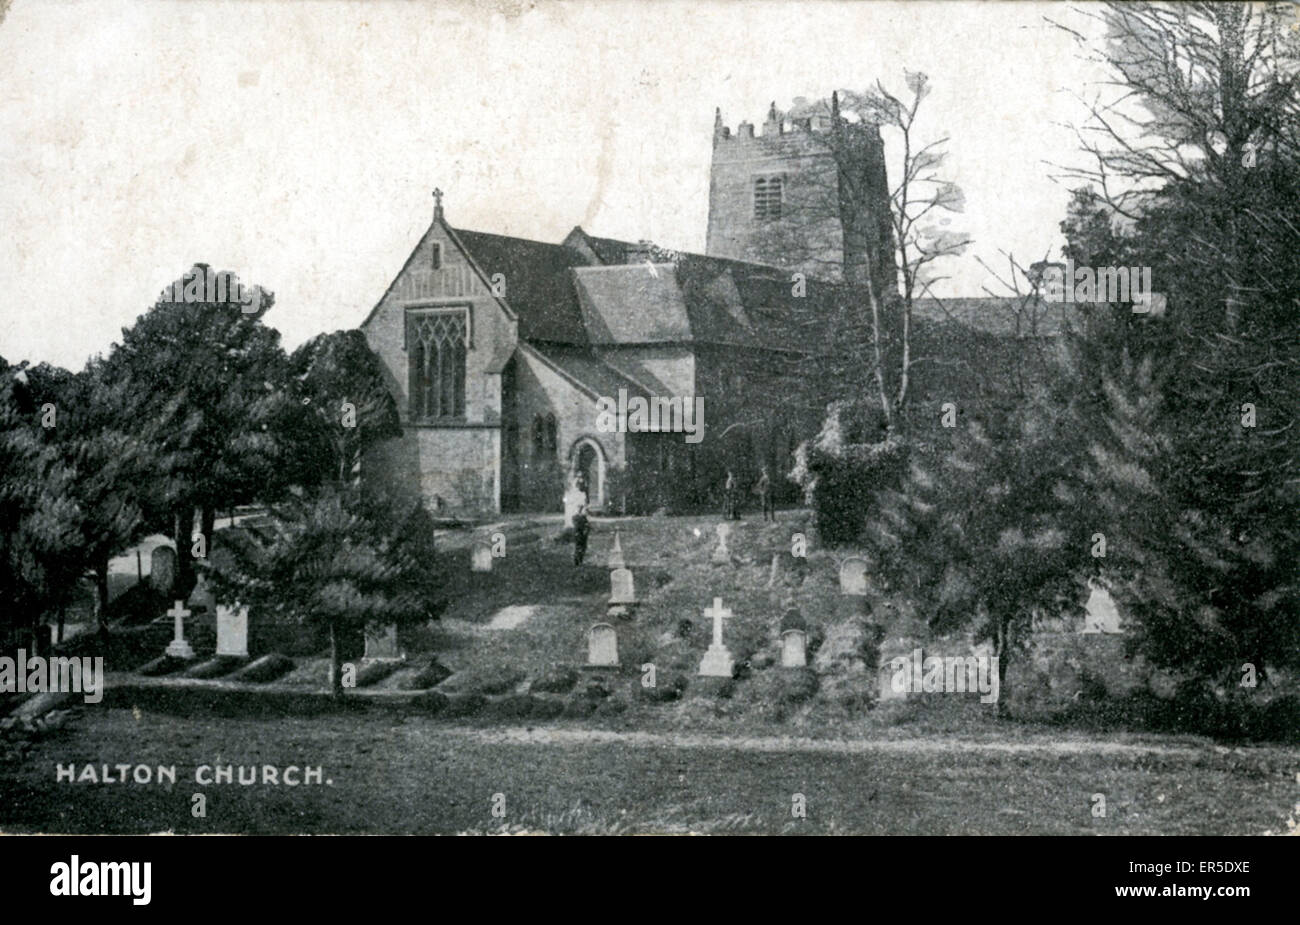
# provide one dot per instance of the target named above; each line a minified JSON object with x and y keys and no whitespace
{"x":718,"y":613}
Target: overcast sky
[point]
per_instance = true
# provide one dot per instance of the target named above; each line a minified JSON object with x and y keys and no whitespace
{"x":297,"y":144}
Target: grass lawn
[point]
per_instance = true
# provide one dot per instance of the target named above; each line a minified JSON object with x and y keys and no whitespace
{"x":419,"y":775}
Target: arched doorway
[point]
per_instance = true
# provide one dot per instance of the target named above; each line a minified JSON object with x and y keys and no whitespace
{"x":588,"y":459}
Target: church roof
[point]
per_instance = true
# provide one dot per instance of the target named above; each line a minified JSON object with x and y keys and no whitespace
{"x":561,"y":298}
{"x":537,"y":283}
{"x":591,"y":372}
{"x":661,"y":303}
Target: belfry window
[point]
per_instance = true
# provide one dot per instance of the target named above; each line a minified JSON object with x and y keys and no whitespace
{"x":767,"y":198}
{"x":438,"y":343}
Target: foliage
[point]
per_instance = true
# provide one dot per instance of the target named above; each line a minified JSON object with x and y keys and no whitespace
{"x":340,"y":381}
{"x":1193,"y":431}
{"x":841,"y":475}
{"x":333,"y":561}
{"x":987,"y":530}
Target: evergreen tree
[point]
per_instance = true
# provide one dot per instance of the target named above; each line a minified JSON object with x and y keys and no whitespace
{"x":206,"y":380}
{"x":989,"y":527}
{"x":332,"y":561}
{"x":341,"y":383}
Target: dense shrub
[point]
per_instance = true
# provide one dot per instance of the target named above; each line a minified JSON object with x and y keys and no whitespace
{"x":840,"y":482}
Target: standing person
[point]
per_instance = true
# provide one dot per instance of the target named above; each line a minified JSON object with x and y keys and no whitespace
{"x":764,"y":491}
{"x":581,"y":527}
{"x":729,"y":497}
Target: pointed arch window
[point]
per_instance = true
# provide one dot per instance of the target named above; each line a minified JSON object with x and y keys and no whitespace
{"x":438,"y":344}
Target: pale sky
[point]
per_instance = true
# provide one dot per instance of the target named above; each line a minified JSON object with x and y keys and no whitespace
{"x":296,"y":144}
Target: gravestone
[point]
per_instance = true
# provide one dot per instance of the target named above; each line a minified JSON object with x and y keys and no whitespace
{"x":602,"y":646}
{"x":1102,"y":616}
{"x":721,"y":554}
{"x":717,"y":661}
{"x":890,"y":650}
{"x":853,"y":576}
{"x":622,"y":588}
{"x":201,"y":597}
{"x":162,"y":569}
{"x":232,"y":631}
{"x":179,"y":647}
{"x":616,"y":555}
{"x":794,"y":649}
{"x":481,"y":557}
{"x":794,"y":640}
{"x":384,"y":646}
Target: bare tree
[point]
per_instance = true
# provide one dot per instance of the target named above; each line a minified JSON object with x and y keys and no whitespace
{"x":890,"y":236}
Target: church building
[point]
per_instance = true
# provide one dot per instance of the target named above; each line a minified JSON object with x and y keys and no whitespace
{"x":502,"y":353}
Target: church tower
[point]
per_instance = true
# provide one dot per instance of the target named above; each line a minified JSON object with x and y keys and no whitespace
{"x":781,"y":196}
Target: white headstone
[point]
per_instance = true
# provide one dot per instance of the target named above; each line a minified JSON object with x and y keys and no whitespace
{"x":179,"y":647}
{"x":384,"y":646}
{"x":1103,"y":616}
{"x":232,"y":631}
{"x":721,"y":554}
{"x":481,"y":557}
{"x":602,"y":646}
{"x":622,"y":590}
{"x":717,"y":661}
{"x":162,"y":569}
{"x":201,"y":597}
{"x":853,"y":576}
{"x":794,"y":649}
{"x":891,"y":669}
{"x":616,"y":554}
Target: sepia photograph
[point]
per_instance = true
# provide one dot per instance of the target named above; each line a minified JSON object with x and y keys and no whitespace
{"x":497,"y":417}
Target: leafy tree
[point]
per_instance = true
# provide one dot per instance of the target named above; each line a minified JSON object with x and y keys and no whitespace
{"x":1196,"y":433}
{"x":986,"y":531}
{"x":209,"y":380}
{"x":39,"y":561}
{"x":330,"y":561}
{"x":340,"y":380}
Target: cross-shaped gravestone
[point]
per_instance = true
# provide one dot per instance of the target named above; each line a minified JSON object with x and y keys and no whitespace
{"x":179,"y":647}
{"x":717,"y":662}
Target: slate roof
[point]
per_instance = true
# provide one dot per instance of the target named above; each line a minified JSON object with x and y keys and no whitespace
{"x":660,"y":304}
{"x":590,"y":370}
{"x":569,"y":307}
{"x":537,"y":283}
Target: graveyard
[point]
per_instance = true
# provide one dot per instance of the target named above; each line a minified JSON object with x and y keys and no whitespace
{"x":689,"y":676}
